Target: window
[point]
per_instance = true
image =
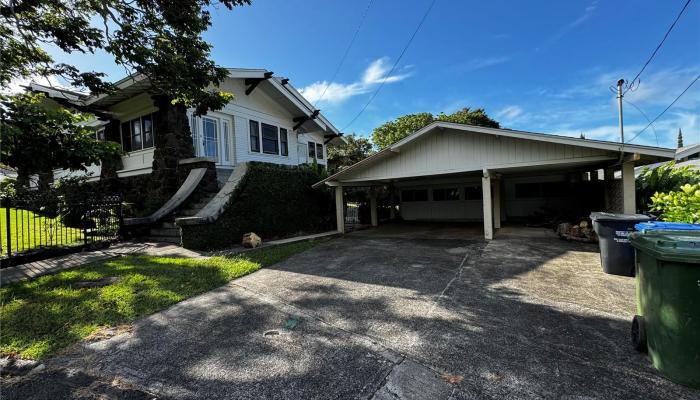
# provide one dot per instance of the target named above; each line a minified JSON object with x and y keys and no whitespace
{"x":138,"y":134}
{"x":211,"y":148}
{"x":473,"y":192}
{"x":136,"y":138}
{"x":284,"y":144}
{"x":195,"y":134}
{"x":445,"y":194}
{"x":414,"y":195}
{"x":100,"y":134}
{"x":224,"y":133}
{"x":270,"y":139}
{"x":126,"y":136}
{"x":147,"y":131}
{"x":319,"y":151}
{"x":254,"y":136}
{"x":312,"y":150}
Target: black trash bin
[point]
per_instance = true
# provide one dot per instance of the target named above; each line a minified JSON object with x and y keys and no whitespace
{"x":616,"y":253}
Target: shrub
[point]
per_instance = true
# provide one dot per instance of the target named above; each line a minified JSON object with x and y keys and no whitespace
{"x":679,"y":206}
{"x":271,"y":200}
{"x":663,"y":179}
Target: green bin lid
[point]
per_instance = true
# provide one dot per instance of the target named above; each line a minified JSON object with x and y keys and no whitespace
{"x":680,"y":246}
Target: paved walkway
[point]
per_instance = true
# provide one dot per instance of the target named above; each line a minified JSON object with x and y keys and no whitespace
{"x":38,"y":268}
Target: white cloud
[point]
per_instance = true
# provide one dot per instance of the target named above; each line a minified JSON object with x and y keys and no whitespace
{"x":509,"y":113}
{"x":336,"y":93}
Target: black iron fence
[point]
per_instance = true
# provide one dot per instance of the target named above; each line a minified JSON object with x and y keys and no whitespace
{"x":31,"y":228}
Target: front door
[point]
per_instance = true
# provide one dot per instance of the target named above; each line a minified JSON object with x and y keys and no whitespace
{"x":210,"y":138}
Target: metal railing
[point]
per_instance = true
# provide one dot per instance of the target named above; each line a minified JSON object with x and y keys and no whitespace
{"x":31,"y":227}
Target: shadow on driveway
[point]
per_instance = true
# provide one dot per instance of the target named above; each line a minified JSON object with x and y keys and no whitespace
{"x":369,"y":316}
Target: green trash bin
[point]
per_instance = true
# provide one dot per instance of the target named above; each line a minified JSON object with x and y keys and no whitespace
{"x":668,"y":302}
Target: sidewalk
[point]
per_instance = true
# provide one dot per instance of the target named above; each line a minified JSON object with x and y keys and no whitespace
{"x":38,"y":268}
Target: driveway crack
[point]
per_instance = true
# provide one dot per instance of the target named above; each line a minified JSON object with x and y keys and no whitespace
{"x":469,"y":257}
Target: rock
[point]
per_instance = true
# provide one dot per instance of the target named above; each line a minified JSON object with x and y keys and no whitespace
{"x":251,"y":240}
{"x":583,"y":224}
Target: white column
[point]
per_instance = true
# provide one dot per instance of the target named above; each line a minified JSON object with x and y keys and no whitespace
{"x":629,"y":205}
{"x":339,"y":209}
{"x":373,"y":206}
{"x":488,"y":215}
{"x":497,"y":203}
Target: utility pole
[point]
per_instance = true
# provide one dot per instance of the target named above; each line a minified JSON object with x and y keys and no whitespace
{"x":619,"y":107}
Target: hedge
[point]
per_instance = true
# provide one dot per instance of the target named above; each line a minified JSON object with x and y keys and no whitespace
{"x":274,"y":201}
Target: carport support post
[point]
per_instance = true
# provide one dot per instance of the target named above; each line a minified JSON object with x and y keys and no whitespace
{"x":629,"y":205}
{"x":488,"y":204}
{"x":497,"y":203}
{"x":339,"y":209}
{"x":373,"y":206}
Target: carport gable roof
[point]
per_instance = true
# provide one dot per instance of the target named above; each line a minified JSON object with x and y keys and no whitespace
{"x":395,"y":148}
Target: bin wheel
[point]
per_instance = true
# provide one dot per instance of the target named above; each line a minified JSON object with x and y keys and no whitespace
{"x":639,"y":334}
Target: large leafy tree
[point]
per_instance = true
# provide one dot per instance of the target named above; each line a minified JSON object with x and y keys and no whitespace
{"x":356,"y":149}
{"x":393,"y":131}
{"x":160,"y":39}
{"x":37,"y":138}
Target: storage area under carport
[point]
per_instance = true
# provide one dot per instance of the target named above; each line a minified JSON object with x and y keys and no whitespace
{"x":450,"y":172}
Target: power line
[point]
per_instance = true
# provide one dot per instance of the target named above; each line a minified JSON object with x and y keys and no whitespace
{"x":653,"y":128}
{"x":667,"y":108}
{"x":415,"y":32}
{"x":347,"y":50}
{"x":632,"y":82}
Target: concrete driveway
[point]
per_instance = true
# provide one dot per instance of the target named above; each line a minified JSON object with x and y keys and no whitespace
{"x":390,"y":314}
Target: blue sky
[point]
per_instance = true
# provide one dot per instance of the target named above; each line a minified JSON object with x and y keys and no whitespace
{"x":542,"y":66}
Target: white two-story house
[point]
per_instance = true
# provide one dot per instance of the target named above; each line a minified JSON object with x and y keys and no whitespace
{"x":268,"y":120}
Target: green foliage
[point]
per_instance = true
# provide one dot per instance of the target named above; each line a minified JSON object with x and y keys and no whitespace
{"x":46,"y":314}
{"x":37,"y":138}
{"x":679,"y":206}
{"x":663,"y":179}
{"x":271,"y":200}
{"x":393,"y":131}
{"x":160,"y":39}
{"x":356,"y":149}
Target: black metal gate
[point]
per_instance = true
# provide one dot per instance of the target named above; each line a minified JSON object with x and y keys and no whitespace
{"x":31,"y":229}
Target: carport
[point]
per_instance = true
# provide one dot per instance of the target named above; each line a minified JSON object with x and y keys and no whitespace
{"x":457,"y":172}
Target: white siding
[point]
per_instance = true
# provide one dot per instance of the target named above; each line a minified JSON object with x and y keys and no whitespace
{"x":445,"y":210}
{"x":449,"y":151}
{"x":260,"y":107}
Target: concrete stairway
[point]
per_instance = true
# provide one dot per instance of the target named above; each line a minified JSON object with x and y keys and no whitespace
{"x":166,"y":231}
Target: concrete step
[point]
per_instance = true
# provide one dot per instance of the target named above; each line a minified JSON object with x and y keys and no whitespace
{"x":164,"y":239}
{"x":168,"y":225}
{"x":188,"y":212}
{"x":170,"y":232}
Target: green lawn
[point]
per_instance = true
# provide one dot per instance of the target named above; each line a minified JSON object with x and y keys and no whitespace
{"x":43,"y":315}
{"x":30,"y":230}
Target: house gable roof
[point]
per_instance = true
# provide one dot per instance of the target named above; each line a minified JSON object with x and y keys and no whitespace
{"x":133,"y":84}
